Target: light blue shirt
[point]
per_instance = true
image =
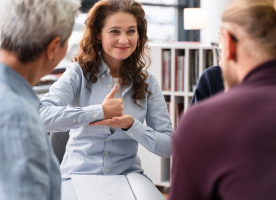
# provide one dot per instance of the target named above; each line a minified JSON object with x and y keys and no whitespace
{"x":94,"y":150}
{"x":29,"y":169}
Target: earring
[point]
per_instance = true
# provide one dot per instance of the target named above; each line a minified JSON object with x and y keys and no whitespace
{"x":99,"y":41}
{"x":53,"y":60}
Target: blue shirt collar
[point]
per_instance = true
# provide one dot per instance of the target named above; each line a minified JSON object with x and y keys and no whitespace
{"x":18,"y":84}
{"x":103,"y":67}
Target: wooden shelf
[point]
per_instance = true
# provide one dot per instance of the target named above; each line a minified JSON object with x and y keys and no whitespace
{"x":179,"y":94}
{"x":166,"y":92}
{"x":190,"y":94}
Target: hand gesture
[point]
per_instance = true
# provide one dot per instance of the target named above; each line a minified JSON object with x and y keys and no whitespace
{"x":124,"y":122}
{"x":112,"y":107}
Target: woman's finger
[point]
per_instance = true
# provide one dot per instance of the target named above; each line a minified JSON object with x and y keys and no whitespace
{"x":106,"y":122}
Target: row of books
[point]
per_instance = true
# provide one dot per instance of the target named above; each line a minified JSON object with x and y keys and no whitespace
{"x":178,"y":109}
{"x":166,"y":72}
{"x":180,"y":70}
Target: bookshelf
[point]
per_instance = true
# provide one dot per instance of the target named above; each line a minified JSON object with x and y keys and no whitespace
{"x":165,"y":60}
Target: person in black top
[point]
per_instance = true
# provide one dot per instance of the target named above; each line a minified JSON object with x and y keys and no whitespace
{"x":209,"y":83}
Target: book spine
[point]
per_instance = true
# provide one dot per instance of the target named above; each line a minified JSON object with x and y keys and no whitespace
{"x":183,"y":73}
{"x":176,"y":78}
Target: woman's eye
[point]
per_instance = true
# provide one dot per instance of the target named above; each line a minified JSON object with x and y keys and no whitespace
{"x":114,"y":31}
{"x":131,"y":31}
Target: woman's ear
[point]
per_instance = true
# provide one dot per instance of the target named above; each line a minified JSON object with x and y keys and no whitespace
{"x":52,"y":48}
{"x":98,"y":35}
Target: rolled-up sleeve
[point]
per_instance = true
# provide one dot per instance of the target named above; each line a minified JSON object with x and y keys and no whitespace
{"x":156,"y":136}
{"x":55,"y":112}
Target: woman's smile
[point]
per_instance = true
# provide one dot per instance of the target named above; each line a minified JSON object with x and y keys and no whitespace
{"x":122,"y":48}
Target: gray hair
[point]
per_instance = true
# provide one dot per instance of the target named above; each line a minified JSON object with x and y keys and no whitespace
{"x":28,"y":26}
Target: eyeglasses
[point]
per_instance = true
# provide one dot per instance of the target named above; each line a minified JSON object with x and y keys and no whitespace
{"x":216,"y":47}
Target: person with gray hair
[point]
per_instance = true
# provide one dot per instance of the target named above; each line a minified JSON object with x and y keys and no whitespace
{"x":34,"y":39}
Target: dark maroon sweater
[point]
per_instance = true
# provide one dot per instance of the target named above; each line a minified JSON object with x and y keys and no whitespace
{"x":225,"y":146}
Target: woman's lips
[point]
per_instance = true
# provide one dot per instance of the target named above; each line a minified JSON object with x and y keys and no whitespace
{"x":122,"y":48}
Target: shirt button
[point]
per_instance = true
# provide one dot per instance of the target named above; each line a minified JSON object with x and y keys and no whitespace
{"x":94,"y":115}
{"x":108,"y":70}
{"x":143,"y":143}
{"x":106,"y":170}
{"x":109,"y":139}
{"x":109,"y":86}
{"x":105,"y":126}
{"x":105,"y":153}
{"x":132,"y":134}
{"x":102,"y":75}
{"x":74,"y":120}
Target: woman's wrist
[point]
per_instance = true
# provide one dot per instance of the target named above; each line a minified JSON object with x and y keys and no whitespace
{"x":132,"y":121}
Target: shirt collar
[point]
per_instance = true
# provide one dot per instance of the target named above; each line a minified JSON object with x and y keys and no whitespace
{"x":265,"y":71}
{"x":18,"y":84}
{"x":103,"y":67}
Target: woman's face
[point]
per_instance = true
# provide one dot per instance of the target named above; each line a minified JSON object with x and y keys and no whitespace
{"x":119,"y":35}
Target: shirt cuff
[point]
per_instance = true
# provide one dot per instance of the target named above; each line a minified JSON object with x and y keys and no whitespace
{"x":136,"y":131}
{"x":94,"y":113}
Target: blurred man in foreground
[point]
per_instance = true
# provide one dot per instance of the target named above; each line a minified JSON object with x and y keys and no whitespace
{"x":225,"y":147}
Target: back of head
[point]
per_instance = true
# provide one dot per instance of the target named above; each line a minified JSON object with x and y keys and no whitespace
{"x":28,"y":26}
{"x":257,"y":18}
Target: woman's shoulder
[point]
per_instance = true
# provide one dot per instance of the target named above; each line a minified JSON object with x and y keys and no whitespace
{"x":213,"y":70}
{"x":211,"y":73}
{"x":74,"y":69}
{"x":74,"y":66}
{"x":151,"y":78}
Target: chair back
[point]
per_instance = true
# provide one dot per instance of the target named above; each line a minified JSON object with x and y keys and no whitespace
{"x":59,"y":141}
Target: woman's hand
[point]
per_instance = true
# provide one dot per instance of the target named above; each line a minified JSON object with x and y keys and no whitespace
{"x":124,"y":122}
{"x":112,"y":107}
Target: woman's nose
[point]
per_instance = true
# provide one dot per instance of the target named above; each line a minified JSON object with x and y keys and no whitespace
{"x":123,"y":39}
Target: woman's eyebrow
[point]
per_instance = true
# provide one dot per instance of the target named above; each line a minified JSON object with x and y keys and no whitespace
{"x":117,"y":27}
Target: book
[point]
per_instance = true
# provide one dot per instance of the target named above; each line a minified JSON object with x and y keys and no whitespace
{"x":196,"y":75}
{"x":179,"y":107}
{"x":194,"y":70}
{"x":166,"y":70}
{"x":209,"y":59}
{"x":179,"y":73}
{"x":117,"y":187}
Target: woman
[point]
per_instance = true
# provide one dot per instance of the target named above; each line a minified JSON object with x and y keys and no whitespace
{"x":106,"y":124}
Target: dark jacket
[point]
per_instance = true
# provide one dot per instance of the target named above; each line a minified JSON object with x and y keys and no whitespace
{"x":209,"y":83}
{"x":225,"y":146}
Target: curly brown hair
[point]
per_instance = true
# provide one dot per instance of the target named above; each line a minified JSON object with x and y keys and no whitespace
{"x":88,"y":55}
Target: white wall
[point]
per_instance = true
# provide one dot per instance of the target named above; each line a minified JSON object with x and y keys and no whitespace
{"x":214,"y":10}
